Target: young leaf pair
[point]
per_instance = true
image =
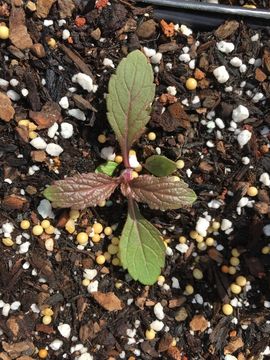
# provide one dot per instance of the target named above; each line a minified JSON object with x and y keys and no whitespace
{"x":142,"y":252}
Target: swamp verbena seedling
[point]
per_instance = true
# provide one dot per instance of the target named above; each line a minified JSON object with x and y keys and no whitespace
{"x":142,"y":252}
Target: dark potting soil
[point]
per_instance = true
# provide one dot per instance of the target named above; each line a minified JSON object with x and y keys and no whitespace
{"x":105,"y":313}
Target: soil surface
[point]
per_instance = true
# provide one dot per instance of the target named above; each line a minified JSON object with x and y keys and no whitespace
{"x":55,"y":300}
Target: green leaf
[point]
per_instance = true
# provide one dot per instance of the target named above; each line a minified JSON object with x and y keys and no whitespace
{"x":160,"y":193}
{"x":108,"y":168}
{"x":81,"y":191}
{"x":142,"y":251}
{"x":131,"y":92}
{"x":159,"y":165}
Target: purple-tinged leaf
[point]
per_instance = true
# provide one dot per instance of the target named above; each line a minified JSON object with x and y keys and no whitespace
{"x":81,"y":191}
{"x":142,"y":251}
{"x":160,"y":193}
{"x":131,"y":92}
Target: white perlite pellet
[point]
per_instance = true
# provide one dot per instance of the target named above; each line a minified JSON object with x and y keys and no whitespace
{"x":243,"y":137}
{"x":221,"y":74}
{"x":266,"y":230}
{"x":182,"y":248}
{"x":5,"y":309}
{"x":85,"y":356}
{"x":13,"y":95}
{"x":185,"y":58}
{"x":56,"y":344}
{"x":172,"y":90}
{"x":45,"y":209}
{"x":230,"y":357}
{"x":85,"y":81}
{"x":64,"y":103}
{"x":77,"y":114}
{"x":38,"y":143}
{"x":65,"y":34}
{"x":89,"y":274}
{"x":185,"y":30}
{"x":107,"y":153}
{"x":15,"y":305}
{"x":157,"y":325}
{"x":92,"y":287}
{"x":265,"y":179}
{"x":158,"y":311}
{"x":54,"y":149}
{"x":225,"y":47}
{"x":109,"y":63}
{"x":156,"y":59}
{"x":24,"y":247}
{"x":66,"y":130}
{"x":236,"y":62}
{"x":202,"y":225}
{"x":240,"y":113}
{"x":225,"y":224}
{"x":149,"y":52}
{"x":53,"y":130}
{"x":64,"y":330}
{"x":220,"y":124}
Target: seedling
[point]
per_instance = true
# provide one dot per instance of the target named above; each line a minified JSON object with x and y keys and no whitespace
{"x":142,"y":251}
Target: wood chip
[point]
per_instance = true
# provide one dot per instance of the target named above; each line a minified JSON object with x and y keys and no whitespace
{"x":215,"y":255}
{"x":77,"y":60}
{"x":227,"y":29}
{"x":165,"y":343}
{"x":6,"y":109}
{"x":13,"y":326}
{"x":66,"y":8}
{"x":266,"y":60}
{"x":44,"y":7}
{"x":109,"y":301}
{"x":14,"y":202}
{"x":18,"y":30}
{"x":205,"y":167}
{"x":38,"y":155}
{"x":198,"y":323}
{"x":260,"y":75}
{"x":233,"y":346}
{"x":179,"y":301}
{"x":174,"y":353}
{"x":49,"y":114}
{"x":20,"y":348}
{"x":4,"y":356}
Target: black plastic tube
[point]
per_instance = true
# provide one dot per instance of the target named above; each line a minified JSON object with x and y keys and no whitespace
{"x":204,"y":21}
{"x":190,"y":5}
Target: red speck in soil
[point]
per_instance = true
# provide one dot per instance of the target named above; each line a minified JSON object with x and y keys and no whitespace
{"x":101,"y":4}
